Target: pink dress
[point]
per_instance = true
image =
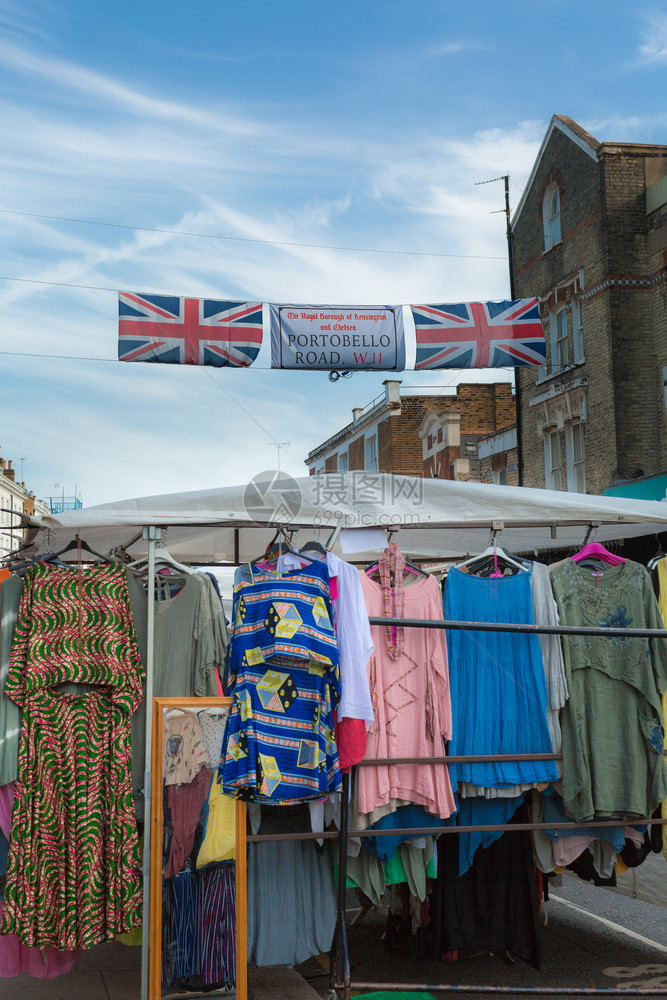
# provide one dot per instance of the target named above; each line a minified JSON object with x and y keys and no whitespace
{"x":411,"y":705}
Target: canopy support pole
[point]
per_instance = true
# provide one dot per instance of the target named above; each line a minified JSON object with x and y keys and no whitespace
{"x":151,"y":534}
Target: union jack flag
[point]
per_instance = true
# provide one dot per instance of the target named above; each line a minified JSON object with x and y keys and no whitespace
{"x":177,"y":331}
{"x":479,"y":335}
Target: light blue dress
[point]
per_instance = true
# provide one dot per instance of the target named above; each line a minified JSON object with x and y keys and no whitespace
{"x":498,"y":690}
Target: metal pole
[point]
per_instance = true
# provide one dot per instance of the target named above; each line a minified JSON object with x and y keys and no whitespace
{"x":151,"y":534}
{"x":514,"y":991}
{"x":438,"y":623}
{"x":341,"y":931}
{"x":517,"y":380}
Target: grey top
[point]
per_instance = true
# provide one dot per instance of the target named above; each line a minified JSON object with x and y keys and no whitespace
{"x":10,"y":715}
{"x":190,"y":645}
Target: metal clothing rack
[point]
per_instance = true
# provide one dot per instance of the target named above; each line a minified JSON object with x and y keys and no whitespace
{"x":340,"y":961}
{"x":153,"y":534}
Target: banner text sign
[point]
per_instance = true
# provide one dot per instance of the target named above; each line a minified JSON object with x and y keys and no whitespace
{"x":328,"y":338}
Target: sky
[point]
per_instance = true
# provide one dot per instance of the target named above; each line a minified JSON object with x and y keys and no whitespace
{"x":289,"y":152}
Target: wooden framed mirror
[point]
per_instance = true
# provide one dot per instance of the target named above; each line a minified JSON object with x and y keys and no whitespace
{"x":198,"y":900}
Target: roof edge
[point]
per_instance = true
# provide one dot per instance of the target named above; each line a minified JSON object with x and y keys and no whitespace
{"x":576,"y":134}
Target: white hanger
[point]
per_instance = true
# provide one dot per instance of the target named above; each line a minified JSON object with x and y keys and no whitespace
{"x":162,"y":556}
{"x":489,"y":553}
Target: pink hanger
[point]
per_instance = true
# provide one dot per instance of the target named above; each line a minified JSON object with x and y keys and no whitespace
{"x":594,"y":549}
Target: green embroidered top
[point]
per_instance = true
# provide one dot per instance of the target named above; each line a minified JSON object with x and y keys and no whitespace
{"x":613,"y":764}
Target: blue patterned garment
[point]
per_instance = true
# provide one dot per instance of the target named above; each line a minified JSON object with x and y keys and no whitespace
{"x":279,"y":744}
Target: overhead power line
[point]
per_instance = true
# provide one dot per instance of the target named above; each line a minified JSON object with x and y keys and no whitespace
{"x":247,"y":239}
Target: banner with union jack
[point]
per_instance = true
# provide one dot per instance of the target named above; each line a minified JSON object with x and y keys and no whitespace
{"x":173,"y":330}
{"x":479,"y":335}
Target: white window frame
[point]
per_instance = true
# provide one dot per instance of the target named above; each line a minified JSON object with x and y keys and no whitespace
{"x":576,"y":466}
{"x":554,"y":472}
{"x":577,"y":332}
{"x":371,"y":453}
{"x":559,"y":336}
{"x":343,"y":461}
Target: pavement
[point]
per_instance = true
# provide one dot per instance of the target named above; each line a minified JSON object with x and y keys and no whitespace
{"x":113,"y":972}
{"x":591,"y":938}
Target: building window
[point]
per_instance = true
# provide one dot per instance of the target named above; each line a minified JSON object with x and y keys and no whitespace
{"x":551,"y":217}
{"x":577,"y":332}
{"x":343,"y":462}
{"x":371,"y":454}
{"x":560,"y":356}
{"x":578,"y":462}
{"x":565,"y":465}
{"x":555,"y":460}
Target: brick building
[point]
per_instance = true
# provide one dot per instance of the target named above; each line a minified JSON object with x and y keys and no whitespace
{"x":590,"y":240}
{"x":498,"y":457}
{"x":418,"y":434}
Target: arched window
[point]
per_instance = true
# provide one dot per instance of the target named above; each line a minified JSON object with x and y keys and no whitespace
{"x":551,"y":216}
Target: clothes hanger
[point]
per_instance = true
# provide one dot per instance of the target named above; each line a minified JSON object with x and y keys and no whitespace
{"x":47,"y":557}
{"x":280,"y":546}
{"x":313,"y":546}
{"x":597,"y":552}
{"x":162,"y":557}
{"x":410,"y":567}
{"x":492,"y":554}
{"x":80,"y":543}
{"x":655,"y":559}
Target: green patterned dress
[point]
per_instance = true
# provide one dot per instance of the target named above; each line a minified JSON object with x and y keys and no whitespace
{"x":73,"y":876}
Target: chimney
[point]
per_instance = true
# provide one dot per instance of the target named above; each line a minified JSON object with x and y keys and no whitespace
{"x":356,"y":413}
{"x":392,"y":395}
{"x":9,"y":472}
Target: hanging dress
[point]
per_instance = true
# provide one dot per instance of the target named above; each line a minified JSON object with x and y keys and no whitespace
{"x":613,"y":740}
{"x":412,"y":708}
{"x":499,"y":696}
{"x":73,"y":877}
{"x":279,"y":745}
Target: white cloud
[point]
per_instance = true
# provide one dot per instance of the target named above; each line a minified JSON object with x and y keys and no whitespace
{"x":451,"y":48}
{"x":653,"y":48}
{"x":627,"y":128}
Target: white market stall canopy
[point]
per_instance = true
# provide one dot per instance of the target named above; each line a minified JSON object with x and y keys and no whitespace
{"x":435,"y":518}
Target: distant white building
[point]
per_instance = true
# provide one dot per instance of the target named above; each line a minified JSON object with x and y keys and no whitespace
{"x":15,"y":499}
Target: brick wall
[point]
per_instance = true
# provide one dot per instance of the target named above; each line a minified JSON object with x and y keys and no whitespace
{"x":484,"y":407}
{"x":356,"y":454}
{"x":537,"y":272}
{"x":441,"y":465}
{"x":406,"y":445}
{"x":634,"y":361}
{"x":507,"y":461}
{"x":385,"y":441}
{"x":604,"y":230}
